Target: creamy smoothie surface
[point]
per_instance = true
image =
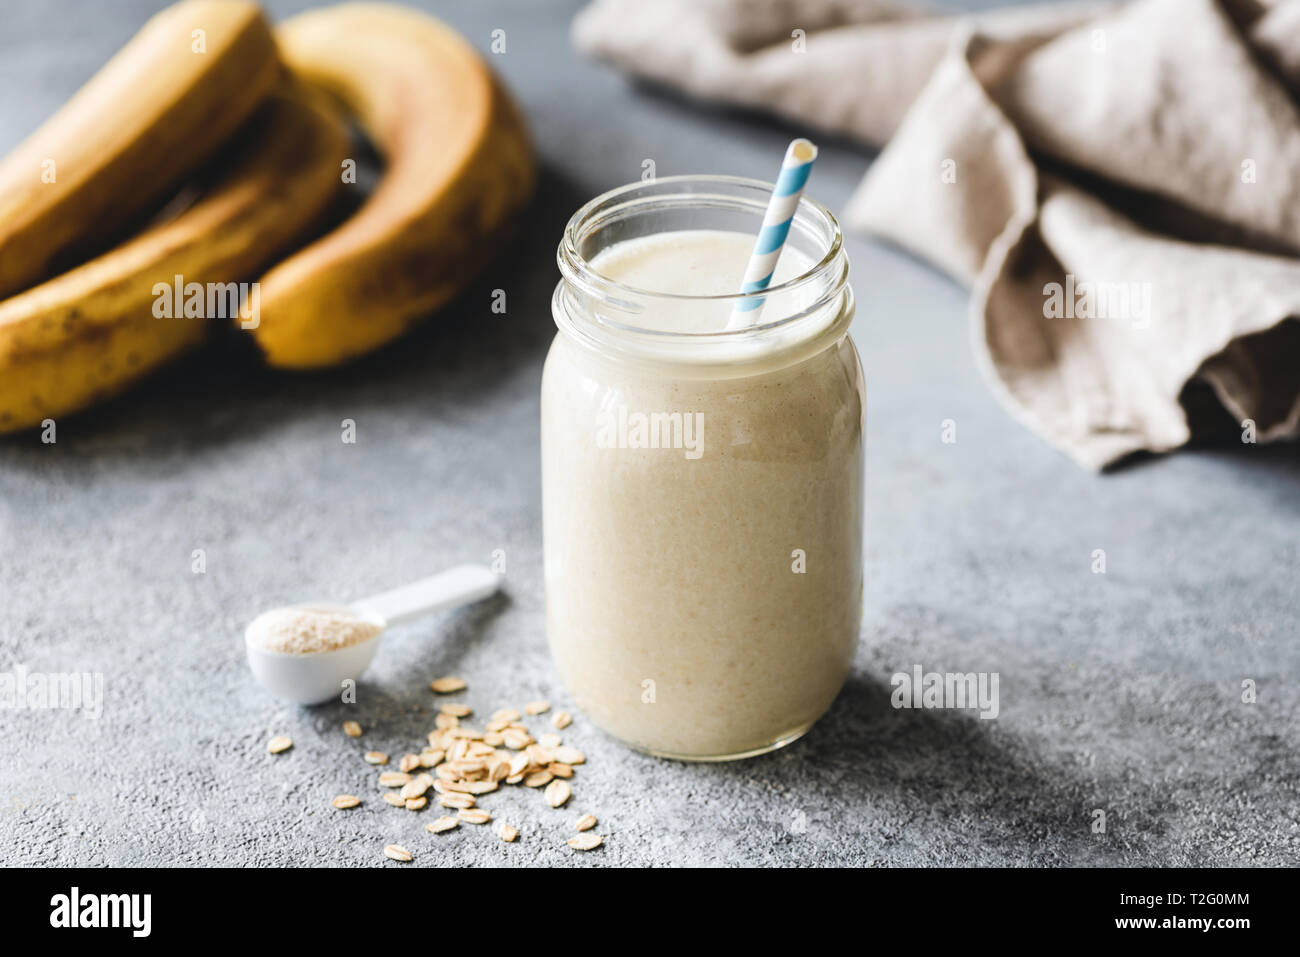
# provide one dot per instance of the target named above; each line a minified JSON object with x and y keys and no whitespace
{"x":702,"y":535}
{"x":690,"y":262}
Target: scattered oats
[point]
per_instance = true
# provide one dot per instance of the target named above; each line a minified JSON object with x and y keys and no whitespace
{"x":557,"y":792}
{"x":567,"y":755}
{"x":462,"y":762}
{"x":465,"y":763}
{"x":397,"y":853}
{"x":538,"y":778}
{"x":515,"y":739}
{"x":281,"y":742}
{"x":586,"y":842}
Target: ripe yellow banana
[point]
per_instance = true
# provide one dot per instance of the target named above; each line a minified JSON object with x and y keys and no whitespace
{"x":459,"y":165}
{"x":131,"y":135}
{"x":88,"y":333}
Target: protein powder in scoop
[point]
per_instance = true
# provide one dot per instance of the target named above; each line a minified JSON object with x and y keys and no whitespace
{"x":305,"y":631}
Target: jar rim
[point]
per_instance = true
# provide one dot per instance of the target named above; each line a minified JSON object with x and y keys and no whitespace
{"x":577,"y":269}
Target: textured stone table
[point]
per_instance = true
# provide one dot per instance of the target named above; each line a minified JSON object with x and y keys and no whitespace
{"x":1119,"y":691}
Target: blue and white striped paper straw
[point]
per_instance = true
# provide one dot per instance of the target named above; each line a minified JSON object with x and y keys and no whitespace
{"x":799,"y":158}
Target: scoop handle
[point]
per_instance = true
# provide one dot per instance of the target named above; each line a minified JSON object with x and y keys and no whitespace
{"x":456,"y":586}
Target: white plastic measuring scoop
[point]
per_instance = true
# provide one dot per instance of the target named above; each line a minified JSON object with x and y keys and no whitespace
{"x":313,"y":677}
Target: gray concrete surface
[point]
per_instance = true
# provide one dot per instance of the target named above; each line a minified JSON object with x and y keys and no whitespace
{"x":1119,"y":692}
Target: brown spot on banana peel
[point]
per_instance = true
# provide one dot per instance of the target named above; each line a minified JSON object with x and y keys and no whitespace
{"x":281,"y":180}
{"x":459,"y":167}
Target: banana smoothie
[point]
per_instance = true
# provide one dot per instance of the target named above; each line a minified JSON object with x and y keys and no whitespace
{"x":702,"y":487}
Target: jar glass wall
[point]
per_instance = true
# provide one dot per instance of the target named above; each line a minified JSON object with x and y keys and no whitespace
{"x":702,"y":485}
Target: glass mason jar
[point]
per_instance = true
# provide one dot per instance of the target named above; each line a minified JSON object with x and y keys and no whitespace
{"x":702,"y":491}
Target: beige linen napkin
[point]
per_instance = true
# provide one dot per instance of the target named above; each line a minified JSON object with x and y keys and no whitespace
{"x":1119,"y":184}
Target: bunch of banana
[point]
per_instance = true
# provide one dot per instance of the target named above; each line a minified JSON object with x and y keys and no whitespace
{"x":204,"y":85}
{"x":90,"y":332}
